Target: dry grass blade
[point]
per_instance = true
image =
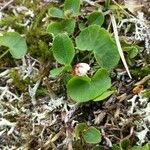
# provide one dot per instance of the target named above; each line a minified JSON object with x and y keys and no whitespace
{"x":119,"y":45}
{"x":6,"y":5}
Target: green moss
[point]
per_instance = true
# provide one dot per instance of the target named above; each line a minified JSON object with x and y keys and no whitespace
{"x":38,"y":44}
{"x":9,"y":20}
{"x":19,"y":83}
{"x":141,"y":72}
{"x":147,"y":93}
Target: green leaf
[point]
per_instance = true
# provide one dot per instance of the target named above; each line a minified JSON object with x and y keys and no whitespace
{"x":145,"y":147}
{"x":92,"y":135}
{"x":107,"y":56}
{"x":107,"y":3}
{"x":73,"y":6}
{"x":80,"y":128}
{"x":66,"y":25}
{"x":16,"y":44}
{"x":132,"y":51}
{"x":99,"y":147}
{"x":55,"y":12}
{"x":137,"y":148}
{"x":56,"y":71}
{"x":96,"y":18}
{"x":98,"y":40}
{"x":124,"y":144}
{"x":63,"y":49}
{"x":103,"y":95}
{"x":82,"y":26}
{"x":83,"y":88}
{"x":54,"y":28}
{"x":66,"y":78}
{"x":115,"y":147}
{"x":89,"y":38}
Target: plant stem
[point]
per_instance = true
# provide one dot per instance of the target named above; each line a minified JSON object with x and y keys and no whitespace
{"x":4,"y":54}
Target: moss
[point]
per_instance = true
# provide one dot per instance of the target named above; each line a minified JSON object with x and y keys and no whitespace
{"x":37,"y":38}
{"x":41,"y":92}
{"x":19,"y":83}
{"x":38,"y":44}
{"x":141,"y":72}
{"x":147,"y":93}
{"x":9,"y":20}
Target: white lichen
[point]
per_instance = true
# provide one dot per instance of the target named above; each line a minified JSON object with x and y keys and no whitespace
{"x":140,"y":106}
{"x":142,"y":30}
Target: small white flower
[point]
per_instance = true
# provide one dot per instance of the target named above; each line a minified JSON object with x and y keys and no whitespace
{"x":81,"y":69}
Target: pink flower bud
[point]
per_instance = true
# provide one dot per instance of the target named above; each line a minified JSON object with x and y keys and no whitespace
{"x":81,"y":69}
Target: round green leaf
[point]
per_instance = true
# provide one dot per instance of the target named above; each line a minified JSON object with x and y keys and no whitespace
{"x":55,"y":12}
{"x":125,"y":144}
{"x":66,"y":25}
{"x":83,"y":88}
{"x":89,"y":38}
{"x":103,"y":95}
{"x":107,"y":55}
{"x":73,"y":6}
{"x":98,"y":40}
{"x":63,"y":49}
{"x":16,"y":44}
{"x":96,"y":18}
{"x":92,"y":135}
{"x":54,"y":28}
{"x":80,"y":128}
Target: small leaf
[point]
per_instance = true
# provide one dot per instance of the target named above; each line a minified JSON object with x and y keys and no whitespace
{"x":63,"y":49}
{"x":99,"y":147}
{"x":96,"y":18}
{"x":107,"y":3}
{"x":73,"y":6}
{"x":145,"y":147}
{"x":137,"y":148}
{"x":54,"y":28}
{"x":103,"y":95}
{"x":55,"y":12}
{"x":80,"y":128}
{"x":66,"y":25}
{"x":83,"y":88}
{"x":82,"y":26}
{"x":124,"y":144}
{"x":115,"y":147}
{"x":98,"y":40}
{"x":56,"y":71}
{"x":16,"y":44}
{"x":67,"y":77}
{"x":92,"y":135}
{"x":132,"y":51}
